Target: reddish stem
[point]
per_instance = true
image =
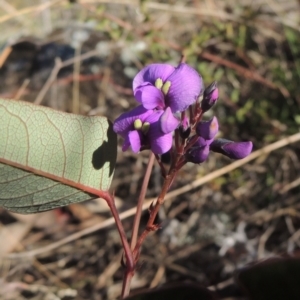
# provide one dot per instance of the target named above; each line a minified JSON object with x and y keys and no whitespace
{"x":154,"y":211}
{"x":178,"y":161}
{"x":130,"y":264}
{"x":137,"y":218}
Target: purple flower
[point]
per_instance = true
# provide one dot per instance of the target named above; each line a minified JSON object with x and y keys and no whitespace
{"x":208,"y":129}
{"x":210,"y":96}
{"x":234,"y":150}
{"x":199,"y":152}
{"x":144,"y":128}
{"x":159,"y":86}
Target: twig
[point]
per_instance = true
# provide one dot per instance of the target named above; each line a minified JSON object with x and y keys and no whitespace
{"x":48,"y":274}
{"x":29,"y":9}
{"x":262,"y":242}
{"x":109,"y":271}
{"x":136,"y":222}
{"x":173,"y":266}
{"x":104,"y":85}
{"x":90,"y":77}
{"x":130,"y":264}
{"x":46,"y":18}
{"x":21,"y":90}
{"x":221,"y":285}
{"x":266,"y":150}
{"x":12,"y":10}
{"x":290,"y":186}
{"x":39,"y":98}
{"x":76,"y":102}
{"x":158,"y":277}
{"x":217,"y":13}
{"x":151,"y":226}
{"x":176,"y":164}
{"x":58,"y":65}
{"x":4,"y":55}
{"x":265,"y":215}
{"x":244,"y":72}
{"x":139,"y":208}
{"x":191,"y":10}
{"x":294,"y":238}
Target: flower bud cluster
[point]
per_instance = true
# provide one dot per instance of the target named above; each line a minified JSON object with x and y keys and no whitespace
{"x":207,"y":142}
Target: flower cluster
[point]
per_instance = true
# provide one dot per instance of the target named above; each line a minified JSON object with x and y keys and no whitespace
{"x":165,"y":93}
{"x":162,"y":91}
{"x":206,"y":142}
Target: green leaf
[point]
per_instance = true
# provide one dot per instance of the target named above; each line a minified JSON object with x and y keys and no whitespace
{"x":50,"y":159}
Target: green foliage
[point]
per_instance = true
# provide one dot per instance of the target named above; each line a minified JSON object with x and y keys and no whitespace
{"x":75,"y":150}
{"x":293,"y":39}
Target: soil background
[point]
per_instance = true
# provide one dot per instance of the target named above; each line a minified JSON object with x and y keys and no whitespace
{"x":209,"y":230}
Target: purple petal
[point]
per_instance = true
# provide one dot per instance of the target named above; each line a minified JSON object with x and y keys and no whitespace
{"x":150,"y":97}
{"x":208,"y":129}
{"x":159,"y":142}
{"x":234,"y":150}
{"x":208,"y":142}
{"x":210,"y":96}
{"x":201,"y":142}
{"x":238,"y":150}
{"x":124,"y":123}
{"x":198,"y":155}
{"x":151,"y":73}
{"x":154,"y":118}
{"x":126,"y":144}
{"x":186,"y":86}
{"x":215,"y":95}
{"x":168,"y":122}
{"x":134,"y":138}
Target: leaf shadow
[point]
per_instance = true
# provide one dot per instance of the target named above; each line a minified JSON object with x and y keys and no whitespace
{"x":107,"y":152}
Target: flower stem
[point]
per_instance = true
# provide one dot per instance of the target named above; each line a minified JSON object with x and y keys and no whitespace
{"x":137,"y":218}
{"x":128,"y":274}
{"x":151,"y":226}
{"x":130,"y":263}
